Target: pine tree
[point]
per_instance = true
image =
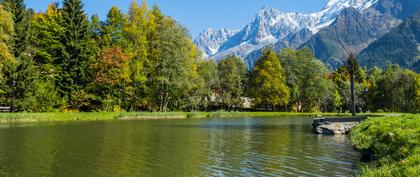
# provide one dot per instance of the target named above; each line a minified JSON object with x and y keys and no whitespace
{"x":112,"y":30}
{"x":74,"y":60}
{"x":268,"y":82}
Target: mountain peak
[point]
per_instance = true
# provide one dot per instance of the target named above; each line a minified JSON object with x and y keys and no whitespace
{"x":271,"y":25}
{"x":267,"y":12}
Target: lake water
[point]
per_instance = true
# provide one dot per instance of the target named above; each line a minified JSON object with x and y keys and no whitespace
{"x":191,"y":147}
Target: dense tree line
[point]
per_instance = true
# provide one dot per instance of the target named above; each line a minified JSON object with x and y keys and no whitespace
{"x":142,"y":60}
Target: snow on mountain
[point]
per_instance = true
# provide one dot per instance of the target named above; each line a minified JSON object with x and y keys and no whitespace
{"x":210,"y":40}
{"x":270,"y":26}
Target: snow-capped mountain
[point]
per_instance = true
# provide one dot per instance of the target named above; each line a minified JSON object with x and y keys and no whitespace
{"x":210,"y":40}
{"x":270,"y":26}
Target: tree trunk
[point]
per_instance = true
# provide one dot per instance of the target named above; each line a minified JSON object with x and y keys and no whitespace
{"x":353,"y":101}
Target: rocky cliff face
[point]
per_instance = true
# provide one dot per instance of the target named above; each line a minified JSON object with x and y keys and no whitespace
{"x":210,"y":40}
{"x":355,"y":30}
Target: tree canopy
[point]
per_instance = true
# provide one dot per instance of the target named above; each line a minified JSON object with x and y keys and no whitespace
{"x":268,"y":82}
{"x":142,"y":60}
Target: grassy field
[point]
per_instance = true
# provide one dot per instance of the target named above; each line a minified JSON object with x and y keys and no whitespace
{"x":94,"y":116}
{"x":392,"y":144}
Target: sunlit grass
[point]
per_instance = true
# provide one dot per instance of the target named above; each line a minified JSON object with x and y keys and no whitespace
{"x":59,"y":116}
{"x":94,"y":116}
{"x":393,"y":143}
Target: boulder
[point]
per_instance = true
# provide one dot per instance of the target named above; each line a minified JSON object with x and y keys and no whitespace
{"x":335,"y":125}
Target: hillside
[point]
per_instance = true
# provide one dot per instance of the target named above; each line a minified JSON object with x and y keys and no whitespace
{"x":400,"y":46}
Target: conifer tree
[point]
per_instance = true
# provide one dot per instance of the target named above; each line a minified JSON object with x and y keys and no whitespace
{"x":112,"y":30}
{"x":74,"y":60}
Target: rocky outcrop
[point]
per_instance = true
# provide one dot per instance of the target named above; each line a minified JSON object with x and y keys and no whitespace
{"x":335,"y":125}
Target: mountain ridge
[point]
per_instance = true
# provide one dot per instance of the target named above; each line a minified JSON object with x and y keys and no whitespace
{"x":271,"y":26}
{"x":353,"y":31}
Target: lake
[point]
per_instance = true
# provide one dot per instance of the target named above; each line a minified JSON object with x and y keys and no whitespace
{"x":188,"y":147}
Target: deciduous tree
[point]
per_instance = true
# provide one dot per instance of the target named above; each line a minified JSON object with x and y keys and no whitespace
{"x":232,"y":79}
{"x":268,"y":82}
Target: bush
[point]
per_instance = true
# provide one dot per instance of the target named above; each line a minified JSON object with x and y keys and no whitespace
{"x":43,"y":98}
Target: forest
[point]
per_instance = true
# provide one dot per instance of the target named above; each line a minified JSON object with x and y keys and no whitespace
{"x":143,"y":60}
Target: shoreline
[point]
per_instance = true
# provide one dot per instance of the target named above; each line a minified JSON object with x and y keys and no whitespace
{"x":11,"y":118}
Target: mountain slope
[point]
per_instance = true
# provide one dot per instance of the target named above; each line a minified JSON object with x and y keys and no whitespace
{"x":291,"y":41}
{"x":400,"y":46}
{"x":355,"y":30}
{"x":271,"y":26}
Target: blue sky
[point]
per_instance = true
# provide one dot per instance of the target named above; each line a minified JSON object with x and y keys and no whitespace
{"x":198,"y":15}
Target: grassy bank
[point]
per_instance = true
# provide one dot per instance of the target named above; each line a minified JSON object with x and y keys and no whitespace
{"x":60,"y":116}
{"x":392,"y":144}
{"x":182,"y":115}
{"x":51,"y":117}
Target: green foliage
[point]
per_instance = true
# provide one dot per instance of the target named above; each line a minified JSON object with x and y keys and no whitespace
{"x":6,"y":31}
{"x":45,"y":38}
{"x":232,"y":78}
{"x":393,"y":141}
{"x":135,"y":32}
{"x":145,"y":61}
{"x":22,"y":71}
{"x":112,"y":30}
{"x":21,"y":18}
{"x":268,"y":82}
{"x":76,"y":56}
{"x":43,"y":97}
{"x":307,"y":80}
{"x":396,"y":90}
{"x":205,"y":85}
{"x":174,"y":72}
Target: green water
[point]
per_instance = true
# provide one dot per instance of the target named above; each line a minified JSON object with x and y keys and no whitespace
{"x":206,"y":147}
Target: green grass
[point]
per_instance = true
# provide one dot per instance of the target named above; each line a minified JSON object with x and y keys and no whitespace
{"x":220,"y":114}
{"x":60,"y":116}
{"x":392,"y":143}
{"x":6,"y":118}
